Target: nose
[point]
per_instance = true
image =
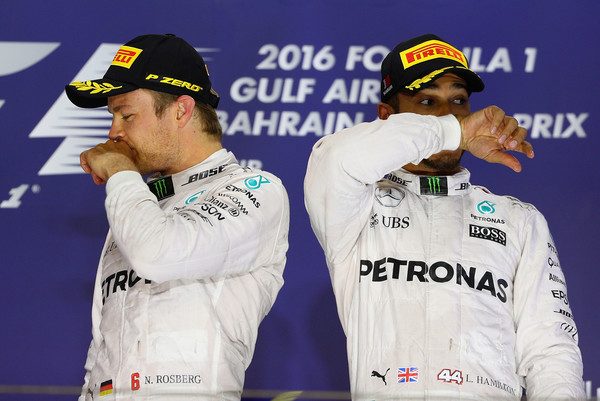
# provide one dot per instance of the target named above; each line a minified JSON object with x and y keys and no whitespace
{"x":116,"y":132}
{"x":443,"y":109}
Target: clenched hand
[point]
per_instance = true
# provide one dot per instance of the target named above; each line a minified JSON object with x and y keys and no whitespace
{"x":106,"y":159}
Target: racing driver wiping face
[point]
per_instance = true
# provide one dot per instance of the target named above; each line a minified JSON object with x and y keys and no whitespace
{"x":446,"y":95}
{"x":436,"y":279}
{"x":172,"y":238}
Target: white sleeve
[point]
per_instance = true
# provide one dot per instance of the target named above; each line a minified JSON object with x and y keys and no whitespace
{"x":190,"y":244}
{"x":546,"y":350}
{"x":338,"y":187}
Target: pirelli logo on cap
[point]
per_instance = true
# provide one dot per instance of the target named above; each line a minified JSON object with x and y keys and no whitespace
{"x":430,"y":50}
{"x":125,"y":56}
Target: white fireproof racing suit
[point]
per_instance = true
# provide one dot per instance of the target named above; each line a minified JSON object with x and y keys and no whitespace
{"x":191,"y":265}
{"x":444,"y":290}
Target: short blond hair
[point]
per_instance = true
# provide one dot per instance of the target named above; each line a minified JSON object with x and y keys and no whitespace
{"x":204,"y":114}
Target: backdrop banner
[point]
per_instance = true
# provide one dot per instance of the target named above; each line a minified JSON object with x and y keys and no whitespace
{"x":288,"y":72}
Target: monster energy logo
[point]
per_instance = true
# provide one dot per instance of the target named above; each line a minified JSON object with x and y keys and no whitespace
{"x":434,"y":185}
{"x":162,"y":187}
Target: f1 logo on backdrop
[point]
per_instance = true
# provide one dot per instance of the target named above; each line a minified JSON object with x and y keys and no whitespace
{"x":82,"y":128}
{"x":18,"y":56}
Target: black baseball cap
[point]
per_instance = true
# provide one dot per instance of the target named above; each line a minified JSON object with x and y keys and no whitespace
{"x":416,"y":63}
{"x":164,"y":63}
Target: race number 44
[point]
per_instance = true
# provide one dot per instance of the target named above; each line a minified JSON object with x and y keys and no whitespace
{"x":450,"y":376}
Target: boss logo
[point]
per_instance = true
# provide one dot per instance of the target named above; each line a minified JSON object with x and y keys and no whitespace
{"x":205,"y":174}
{"x":488,"y":233}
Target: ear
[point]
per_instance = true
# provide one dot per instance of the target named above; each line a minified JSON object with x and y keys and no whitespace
{"x":384,"y":110}
{"x":185,"y":110}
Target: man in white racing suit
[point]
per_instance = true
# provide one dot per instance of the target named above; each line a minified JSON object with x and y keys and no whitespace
{"x":444,"y":290}
{"x":194,"y":258}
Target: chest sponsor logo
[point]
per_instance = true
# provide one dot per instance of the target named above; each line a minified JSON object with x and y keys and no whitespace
{"x":556,"y":279}
{"x":374,"y":220}
{"x":572,"y":330}
{"x":162,"y":188}
{"x":439,"y":272}
{"x":239,"y":206}
{"x":245,"y":192}
{"x":389,"y":196}
{"x":379,"y":375}
{"x":553,"y":263}
{"x":193,"y":198}
{"x":221,"y":204}
{"x":488,"y":233}
{"x":564,"y":313}
{"x":393,"y":222}
{"x":561,"y":295}
{"x":434,"y":185}
{"x":394,"y":178}
{"x":408,"y":375}
{"x":488,"y":219}
{"x":212,"y":210}
{"x":204,"y":174}
{"x":255,"y":182}
{"x":119,"y":281}
{"x":486,"y":207}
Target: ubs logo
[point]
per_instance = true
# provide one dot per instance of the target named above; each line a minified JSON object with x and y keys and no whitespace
{"x":389,"y":221}
{"x":395,"y":221}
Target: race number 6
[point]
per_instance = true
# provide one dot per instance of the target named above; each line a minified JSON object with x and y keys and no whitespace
{"x":135,"y":381}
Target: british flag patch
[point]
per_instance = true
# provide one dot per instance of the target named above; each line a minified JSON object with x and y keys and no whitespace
{"x":408,"y":375}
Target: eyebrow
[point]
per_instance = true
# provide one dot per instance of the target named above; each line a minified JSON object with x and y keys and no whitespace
{"x":116,"y":108}
{"x":455,"y":85}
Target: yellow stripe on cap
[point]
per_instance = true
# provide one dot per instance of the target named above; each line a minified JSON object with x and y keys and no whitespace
{"x":416,"y":84}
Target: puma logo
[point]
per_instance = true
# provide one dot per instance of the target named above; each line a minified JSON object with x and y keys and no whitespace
{"x":382,"y":377}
